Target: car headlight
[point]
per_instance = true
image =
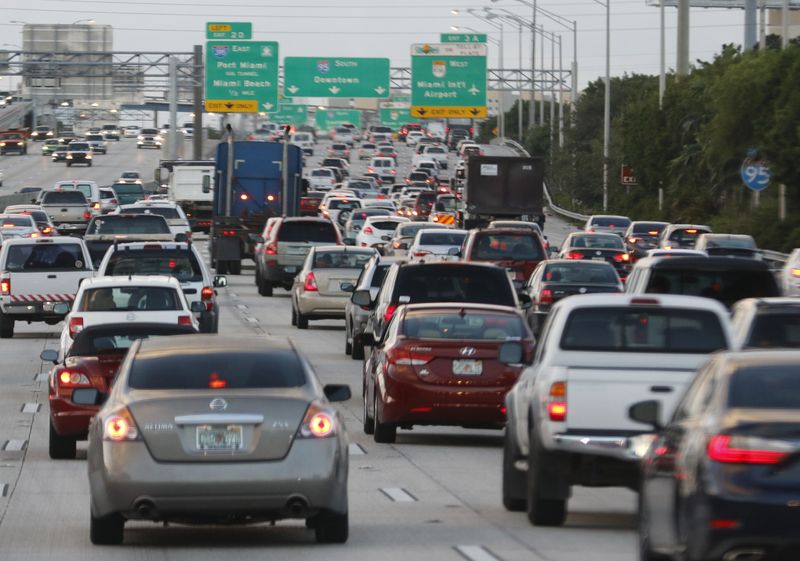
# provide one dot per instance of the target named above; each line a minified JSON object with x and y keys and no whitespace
{"x":69,"y":156}
{"x":88,"y":156}
{"x":50,"y":133}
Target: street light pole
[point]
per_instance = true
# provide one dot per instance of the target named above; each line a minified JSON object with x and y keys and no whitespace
{"x":501,"y":118}
{"x":785,"y":24}
{"x":532,"y":102}
{"x":682,"y":68}
{"x":662,"y":75}
{"x":607,"y":109}
{"x":520,"y":137}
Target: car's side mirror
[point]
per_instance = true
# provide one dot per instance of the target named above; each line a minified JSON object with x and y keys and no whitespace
{"x":197,"y":307}
{"x":337,"y":392}
{"x":220,"y":281}
{"x":88,"y":396}
{"x":181,"y":237}
{"x":386,"y":238}
{"x":347,"y":287}
{"x":49,"y":355}
{"x":511,"y":353}
{"x":454,"y":251}
{"x":525,"y":301}
{"x":646,"y":412}
{"x":362,"y":298}
{"x":402,"y":245}
{"x":206,"y":184}
{"x":61,"y":308}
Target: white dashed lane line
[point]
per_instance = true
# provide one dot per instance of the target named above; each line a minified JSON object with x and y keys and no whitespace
{"x":476,"y":553}
{"x":31,"y":408}
{"x":398,"y":495}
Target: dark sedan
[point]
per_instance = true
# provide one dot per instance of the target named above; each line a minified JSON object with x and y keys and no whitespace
{"x":598,"y":247}
{"x":641,"y":237}
{"x":722,"y":478}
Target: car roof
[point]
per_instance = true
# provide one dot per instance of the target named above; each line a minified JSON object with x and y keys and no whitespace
{"x":154,"y":280}
{"x":655,"y":300}
{"x":753,"y":357}
{"x":55,"y":240}
{"x":775,"y":302}
{"x":449,"y":306}
{"x":700,"y":263}
{"x":216,"y":343}
{"x":688,"y":226}
{"x":439,"y":230}
{"x":592,"y":217}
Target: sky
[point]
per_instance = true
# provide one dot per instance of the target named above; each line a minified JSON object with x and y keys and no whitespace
{"x":386,"y":28}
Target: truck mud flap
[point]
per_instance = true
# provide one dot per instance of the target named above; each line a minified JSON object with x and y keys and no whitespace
{"x":227,"y":249}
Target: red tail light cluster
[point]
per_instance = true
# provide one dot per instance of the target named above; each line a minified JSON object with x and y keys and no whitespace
{"x":730,"y":449}
{"x":75,"y":326}
{"x":557,"y":402}
{"x":228,"y":232}
{"x":310,"y":284}
{"x":545,"y":296}
{"x":72,"y":379}
{"x":387,"y":315}
{"x":622,"y":257}
{"x":184,"y":320}
{"x":271,"y":249}
{"x":574,"y":255}
{"x":5,"y":287}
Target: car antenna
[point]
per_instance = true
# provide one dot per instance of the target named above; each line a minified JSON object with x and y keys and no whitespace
{"x":462,"y":312}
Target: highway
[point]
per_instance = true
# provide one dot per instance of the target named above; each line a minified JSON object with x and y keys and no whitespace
{"x":435,"y":494}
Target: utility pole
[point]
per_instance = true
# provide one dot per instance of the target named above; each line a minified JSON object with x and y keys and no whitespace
{"x":520,"y":136}
{"x":785,"y":24}
{"x":607,"y":109}
{"x":197,"y":77}
{"x":541,"y":63}
{"x":662,"y":75}
{"x":532,"y":103}
{"x":560,"y":95}
{"x":682,"y":68}
{"x":172,"y":134}
{"x":750,"y":24}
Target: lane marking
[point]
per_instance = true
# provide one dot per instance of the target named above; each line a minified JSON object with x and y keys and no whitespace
{"x":356,"y":449}
{"x":15,"y":445}
{"x":251,"y":319}
{"x":476,"y":553}
{"x":241,"y":306}
{"x":32,"y":408}
{"x":398,"y":495}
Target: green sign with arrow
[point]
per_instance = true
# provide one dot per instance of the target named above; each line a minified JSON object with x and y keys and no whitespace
{"x":336,"y":77}
{"x":394,"y":117}
{"x":296,"y":115}
{"x":241,"y":76}
{"x":328,"y":119}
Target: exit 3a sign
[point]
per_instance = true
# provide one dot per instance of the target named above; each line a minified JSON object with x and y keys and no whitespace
{"x":626,"y":176}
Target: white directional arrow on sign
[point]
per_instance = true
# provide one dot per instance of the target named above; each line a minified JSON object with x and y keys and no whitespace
{"x":267,"y":106}
{"x":473,"y":90}
{"x":334,"y":90}
{"x":293,"y":89}
{"x":380,"y":90}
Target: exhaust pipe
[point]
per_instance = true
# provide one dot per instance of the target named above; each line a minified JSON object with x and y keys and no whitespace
{"x":297,"y":507}
{"x":145,"y":508}
{"x":752,"y":554}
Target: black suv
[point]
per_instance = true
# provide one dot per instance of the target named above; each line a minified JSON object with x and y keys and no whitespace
{"x":414,"y":283}
{"x":79,"y":153}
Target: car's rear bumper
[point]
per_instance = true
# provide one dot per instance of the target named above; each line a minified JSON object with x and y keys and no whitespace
{"x":32,"y":310}
{"x":69,"y":419}
{"x":313,"y":304}
{"x":124,"y":475}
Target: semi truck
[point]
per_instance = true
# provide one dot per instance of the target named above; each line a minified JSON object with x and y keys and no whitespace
{"x":254,"y":181}
{"x":184,"y":181}
{"x":501,"y":187}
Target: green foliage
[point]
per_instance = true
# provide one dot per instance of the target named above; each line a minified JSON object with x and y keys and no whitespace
{"x":692,"y":146}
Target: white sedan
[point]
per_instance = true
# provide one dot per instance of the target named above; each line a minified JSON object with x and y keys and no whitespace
{"x":377,"y":230}
{"x":436,"y":245}
{"x":172,"y":213}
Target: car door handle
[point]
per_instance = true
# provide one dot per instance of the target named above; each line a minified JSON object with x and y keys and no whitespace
{"x":661,"y":389}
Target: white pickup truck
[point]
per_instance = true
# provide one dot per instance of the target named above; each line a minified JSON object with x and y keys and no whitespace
{"x":35,"y":275}
{"x":599,"y":354}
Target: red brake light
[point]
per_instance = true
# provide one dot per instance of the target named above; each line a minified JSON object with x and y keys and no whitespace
{"x":729,"y":449}
{"x":557,"y":402}
{"x":317,"y":423}
{"x":620,"y":257}
{"x":216,"y":383}
{"x":184,"y":320}
{"x":70,"y":379}
{"x":310,"y":284}
{"x":5,"y":287}
{"x":86,"y":214}
{"x":75,"y":326}
{"x":271,"y":249}
{"x":207,"y":293}
{"x":368,"y":230}
{"x":546,"y":296}
{"x":574,"y":255}
{"x":387,"y":315}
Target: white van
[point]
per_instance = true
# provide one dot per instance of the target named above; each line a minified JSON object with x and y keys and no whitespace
{"x":385,"y":167}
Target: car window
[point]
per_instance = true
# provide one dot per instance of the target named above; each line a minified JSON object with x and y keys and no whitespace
{"x":435,"y":283}
{"x":458,"y":325}
{"x":78,"y":146}
{"x":597,"y":242}
{"x":167,"y":212}
{"x":385,"y":224}
{"x":16,"y":222}
{"x":343,"y":204}
{"x":64,"y":197}
{"x":581,"y":273}
{"x":214,"y":370}
{"x":45,"y":257}
{"x":774,"y":386}
{"x":130,"y":298}
{"x":507,"y":246}
{"x":441,"y":238}
{"x":611,"y":222}
{"x":321,"y":173}
{"x":727,"y":286}
{"x":341,"y":259}
{"x":299,"y":231}
{"x":651,"y":229}
{"x":180,"y":264}
{"x":122,"y":224}
{"x":84,"y":188}
{"x":643,"y":330}
{"x":95,"y":342}
{"x":780,"y":330}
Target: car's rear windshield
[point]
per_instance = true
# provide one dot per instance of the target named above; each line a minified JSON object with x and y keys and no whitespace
{"x":37,"y":215}
{"x":94,"y":137}
{"x":15,"y":222}
{"x":426,"y":198}
{"x":130,"y":175}
{"x":776,"y":330}
{"x":165,"y":211}
{"x":410,"y":230}
{"x":462,"y":325}
{"x":441,"y":238}
{"x":581,"y":273}
{"x":731,"y":243}
{"x":343,"y":204}
{"x":130,"y":298}
{"x":332,"y":163}
{"x":774,"y":386}
{"x":435,"y":150}
{"x":727,"y":286}
{"x":597,"y":242}
{"x":215,"y":370}
{"x":341,"y":259}
{"x":492,"y":247}
{"x":648,"y":228}
{"x":362,"y":215}
{"x":321,"y":173}
{"x":686,"y":237}
{"x":64,"y":197}
{"x":418,"y":176}
{"x":643,"y":330}
{"x":307,"y":232}
{"x":45,"y":257}
{"x":339,"y":147}
{"x":122,"y":224}
{"x":177,"y":263}
{"x":116,"y":341}
{"x":440,"y":283}
{"x":611,"y":221}
{"x":385,"y":224}
{"x":84,"y":188}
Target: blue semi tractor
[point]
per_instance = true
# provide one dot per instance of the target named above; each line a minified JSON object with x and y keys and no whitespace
{"x":254,"y":181}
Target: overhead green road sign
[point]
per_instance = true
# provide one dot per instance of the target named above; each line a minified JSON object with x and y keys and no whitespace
{"x":296,"y":115}
{"x":331,"y":118}
{"x":448,"y":80}
{"x":229,"y":30}
{"x":463,"y":38}
{"x":241,"y":76}
{"x":394,"y":117}
{"x":336,"y":77}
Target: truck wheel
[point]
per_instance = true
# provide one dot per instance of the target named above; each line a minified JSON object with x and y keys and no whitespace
{"x":6,"y":327}
{"x":383,"y":433}
{"x":222,"y":267}
{"x":541,"y":511}
{"x":107,"y":530}
{"x":235,"y":267}
{"x":264,"y":287}
{"x":302,"y":321}
{"x":60,"y":447}
{"x":513,"y":479}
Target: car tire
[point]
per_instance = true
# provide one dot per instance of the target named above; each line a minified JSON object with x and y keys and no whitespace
{"x":383,"y":433}
{"x":61,"y":447}
{"x":69,"y":164}
{"x":264,"y":287}
{"x":348,"y":342}
{"x":331,"y":527}
{"x":107,"y":530}
{"x":541,"y":511}
{"x":294,"y":317}
{"x":513,"y":479}
{"x":302,"y":321}
{"x":369,"y":422}
{"x":6,"y":326}
{"x":235,"y":267}
{"x":358,"y":349}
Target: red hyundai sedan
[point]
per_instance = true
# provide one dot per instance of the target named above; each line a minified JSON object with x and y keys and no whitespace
{"x":91,"y":363}
{"x":444,"y":364}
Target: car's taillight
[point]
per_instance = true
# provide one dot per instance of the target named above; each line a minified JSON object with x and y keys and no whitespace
{"x":184,"y":320}
{"x":5,"y":287}
{"x":545,"y":296}
{"x":319,"y":422}
{"x":368,"y":230}
{"x":87,"y":215}
{"x":421,"y":253}
{"x":310,"y":284}
{"x":72,"y":379}
{"x":730,"y":449}
{"x":207,"y":293}
{"x":75,"y":326}
{"x":574,"y":255}
{"x":120,"y":426}
{"x":557,"y":402}
{"x":632,"y":240}
{"x":622,"y":257}
{"x":387,"y":315}
{"x":271,"y":249}
{"x":408,"y":357}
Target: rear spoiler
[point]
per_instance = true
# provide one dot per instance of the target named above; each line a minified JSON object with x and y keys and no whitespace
{"x":129,"y":237}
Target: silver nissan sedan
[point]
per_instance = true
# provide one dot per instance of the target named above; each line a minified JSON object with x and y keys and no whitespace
{"x":210,"y":429}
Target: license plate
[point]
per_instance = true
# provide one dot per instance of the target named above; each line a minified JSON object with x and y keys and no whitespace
{"x":291,"y":269}
{"x":598,"y":258}
{"x":467,"y":367}
{"x":297,"y":251}
{"x":215,"y":437}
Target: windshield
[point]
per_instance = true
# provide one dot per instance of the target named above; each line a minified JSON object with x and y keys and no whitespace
{"x":773,"y":386}
{"x":462,"y":325}
{"x":611,"y":221}
{"x":597,"y":242}
{"x":581,"y":273}
{"x":441,"y":238}
{"x":94,"y":342}
{"x":122,"y":224}
{"x":180,"y":264}
{"x":15,"y":222}
{"x":130,"y":298}
{"x":727,"y":286}
{"x":130,"y":175}
{"x":493,"y":247}
{"x":461,"y":283}
{"x":84,"y":188}
{"x":341,"y":259}
{"x":64,"y":197}
{"x":78,"y":146}
{"x":321,"y":173}
{"x":45,"y":257}
{"x":167,"y":212}
{"x":410,"y":230}
{"x":300,"y":231}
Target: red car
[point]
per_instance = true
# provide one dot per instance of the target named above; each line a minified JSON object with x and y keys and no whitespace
{"x":444,"y":364}
{"x":518,"y":250}
{"x":91,"y":363}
